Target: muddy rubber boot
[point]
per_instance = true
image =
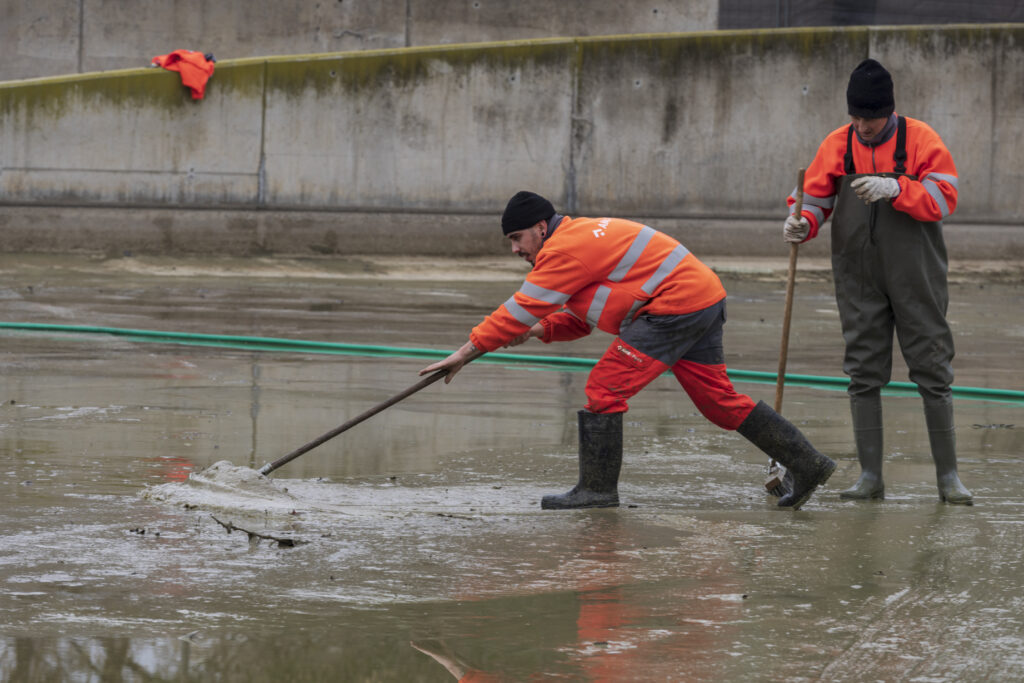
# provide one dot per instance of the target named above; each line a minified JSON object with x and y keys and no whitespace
{"x":600,"y":457}
{"x":867,"y":436}
{"x":942,"y":437}
{"x":780,"y":439}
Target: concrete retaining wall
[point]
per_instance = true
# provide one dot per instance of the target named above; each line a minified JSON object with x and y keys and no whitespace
{"x":400,"y":150}
{"x":55,"y":37}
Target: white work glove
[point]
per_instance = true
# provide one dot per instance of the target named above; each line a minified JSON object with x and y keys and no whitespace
{"x":795,"y":229}
{"x":871,"y":188}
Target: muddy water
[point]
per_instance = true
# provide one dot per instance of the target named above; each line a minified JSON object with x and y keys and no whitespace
{"x":413,"y":546}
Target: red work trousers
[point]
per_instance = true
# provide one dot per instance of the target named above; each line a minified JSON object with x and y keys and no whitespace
{"x":623,"y":371}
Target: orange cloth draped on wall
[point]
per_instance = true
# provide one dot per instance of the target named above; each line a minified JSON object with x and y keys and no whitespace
{"x":195,"y":69}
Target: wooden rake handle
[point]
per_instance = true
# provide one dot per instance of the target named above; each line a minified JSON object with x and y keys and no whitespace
{"x":305,"y":448}
{"x":780,"y":381}
{"x":787,"y":316}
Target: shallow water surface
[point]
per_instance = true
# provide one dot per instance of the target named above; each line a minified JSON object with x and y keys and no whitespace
{"x":413,"y":548}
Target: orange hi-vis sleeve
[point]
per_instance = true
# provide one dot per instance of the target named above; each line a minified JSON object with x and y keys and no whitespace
{"x":931,"y":197}
{"x":605,"y":272}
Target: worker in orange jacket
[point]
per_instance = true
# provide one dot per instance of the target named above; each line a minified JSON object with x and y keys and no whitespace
{"x":887,"y":182}
{"x":666,"y":309}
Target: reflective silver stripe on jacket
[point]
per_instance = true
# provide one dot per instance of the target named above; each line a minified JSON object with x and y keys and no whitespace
{"x":815,"y":205}
{"x":597,"y":305}
{"x":623,"y":267}
{"x":520,"y":313}
{"x":632,"y":254}
{"x":548,"y":296}
{"x":585,"y":322}
{"x":666,"y":267}
{"x":627,"y":319}
{"x":931,"y":184}
{"x":619,"y":272}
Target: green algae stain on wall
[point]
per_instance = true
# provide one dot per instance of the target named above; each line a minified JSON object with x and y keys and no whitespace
{"x":405,"y":68}
{"x":243,"y":79}
{"x":673,"y":54}
{"x":35,"y":102}
{"x":947,"y":42}
{"x":56,"y":97}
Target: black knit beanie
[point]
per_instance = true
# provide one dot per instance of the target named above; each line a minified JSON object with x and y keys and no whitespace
{"x":869,"y":94}
{"x":524,"y":210}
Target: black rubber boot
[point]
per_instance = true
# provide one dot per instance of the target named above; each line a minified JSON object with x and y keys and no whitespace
{"x":942,"y":437}
{"x":776,"y":436}
{"x":600,"y":458}
{"x":867,"y":435}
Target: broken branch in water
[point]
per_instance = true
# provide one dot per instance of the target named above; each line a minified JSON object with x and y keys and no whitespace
{"x":256,"y":537}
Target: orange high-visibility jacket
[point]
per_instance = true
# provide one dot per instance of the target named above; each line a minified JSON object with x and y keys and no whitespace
{"x":604,"y":272}
{"x":929,"y":198}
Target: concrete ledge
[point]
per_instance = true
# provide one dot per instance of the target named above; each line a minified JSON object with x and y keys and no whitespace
{"x":114,"y":231}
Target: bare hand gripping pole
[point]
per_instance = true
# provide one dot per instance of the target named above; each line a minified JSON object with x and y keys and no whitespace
{"x":423,"y":383}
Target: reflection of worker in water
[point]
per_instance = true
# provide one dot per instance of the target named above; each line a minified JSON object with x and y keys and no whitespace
{"x":667,"y":310}
{"x":601,"y":615}
{"x":617,"y":633}
{"x":887,"y":181}
{"x":458,"y":667}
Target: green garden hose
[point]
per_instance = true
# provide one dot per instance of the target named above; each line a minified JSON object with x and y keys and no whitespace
{"x":564,"y":363}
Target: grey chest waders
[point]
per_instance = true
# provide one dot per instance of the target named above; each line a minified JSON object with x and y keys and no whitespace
{"x":890,"y":276}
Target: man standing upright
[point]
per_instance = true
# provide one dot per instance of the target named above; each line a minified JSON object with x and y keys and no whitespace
{"x":666,"y":309}
{"x":887,"y":181}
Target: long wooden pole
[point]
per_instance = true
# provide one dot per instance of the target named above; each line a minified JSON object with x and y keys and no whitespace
{"x":780,"y":382}
{"x":305,"y":448}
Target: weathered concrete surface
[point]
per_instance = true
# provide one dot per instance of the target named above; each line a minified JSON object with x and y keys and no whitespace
{"x":682,"y":127}
{"x":53,"y":37}
{"x":118,"y":232}
{"x":419,"y":130}
{"x":458,"y":21}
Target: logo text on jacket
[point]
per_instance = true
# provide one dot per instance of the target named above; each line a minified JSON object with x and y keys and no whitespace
{"x":629,"y":353}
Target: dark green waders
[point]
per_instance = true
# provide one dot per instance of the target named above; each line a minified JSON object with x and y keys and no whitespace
{"x":866,"y":411}
{"x":890,"y":276}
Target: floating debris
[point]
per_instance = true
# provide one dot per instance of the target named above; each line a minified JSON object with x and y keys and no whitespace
{"x":255,"y":537}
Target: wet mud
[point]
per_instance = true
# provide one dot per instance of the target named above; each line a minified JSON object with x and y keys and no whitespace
{"x":140,"y":544}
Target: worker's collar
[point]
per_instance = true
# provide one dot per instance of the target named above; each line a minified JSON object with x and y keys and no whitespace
{"x":884,"y":136}
{"x":552,"y":224}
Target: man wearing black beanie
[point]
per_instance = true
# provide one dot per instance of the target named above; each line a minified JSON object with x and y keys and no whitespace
{"x":666,"y":310}
{"x":887,"y":182}
{"x":869,"y":92}
{"x":523,"y":210}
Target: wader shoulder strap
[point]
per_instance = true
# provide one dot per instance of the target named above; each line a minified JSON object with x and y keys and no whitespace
{"x":848,"y":166}
{"x":900,"y":155}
